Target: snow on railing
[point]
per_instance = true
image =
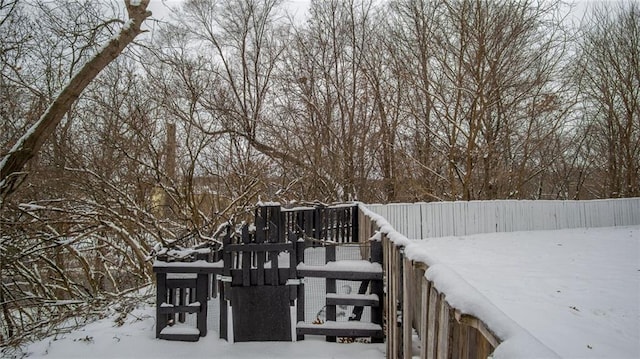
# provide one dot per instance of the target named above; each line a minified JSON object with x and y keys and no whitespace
{"x":447,"y":313}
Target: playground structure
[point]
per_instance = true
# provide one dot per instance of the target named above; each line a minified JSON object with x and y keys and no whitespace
{"x":260,"y":270}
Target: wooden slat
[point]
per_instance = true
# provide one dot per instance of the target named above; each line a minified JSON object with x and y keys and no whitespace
{"x":407,"y":306}
{"x":424,"y":327}
{"x":355,"y":300}
{"x":388,"y":297}
{"x":476,"y":323}
{"x":340,"y":329}
{"x":330,"y":255}
{"x":443,"y":329}
{"x":259,"y":239}
{"x":179,"y":309}
{"x":274,"y":272}
{"x":432,"y":334}
{"x":246,"y":257}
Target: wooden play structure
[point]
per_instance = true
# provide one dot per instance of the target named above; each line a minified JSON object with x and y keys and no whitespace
{"x":258,"y":275}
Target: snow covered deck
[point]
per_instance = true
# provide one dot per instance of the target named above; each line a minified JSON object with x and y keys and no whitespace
{"x":577,"y":291}
{"x":536,"y":288}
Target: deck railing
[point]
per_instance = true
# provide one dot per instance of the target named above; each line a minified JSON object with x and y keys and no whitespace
{"x":412,"y":303}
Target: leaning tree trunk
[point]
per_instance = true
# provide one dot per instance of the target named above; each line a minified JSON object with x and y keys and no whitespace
{"x":11,"y":166}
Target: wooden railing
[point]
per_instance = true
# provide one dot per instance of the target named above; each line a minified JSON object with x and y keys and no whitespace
{"x":412,"y":303}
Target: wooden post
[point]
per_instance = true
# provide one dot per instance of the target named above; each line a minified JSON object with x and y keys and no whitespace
{"x":355,"y":225}
{"x":260,"y":238}
{"x":377,"y":287}
{"x":388,"y":295}
{"x":301,"y":300}
{"x":161,"y":297}
{"x":201,"y":296}
{"x":224,"y":286}
{"x":330,"y":256}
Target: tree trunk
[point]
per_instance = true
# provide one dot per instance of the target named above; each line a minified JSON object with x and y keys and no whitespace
{"x":12,"y":165}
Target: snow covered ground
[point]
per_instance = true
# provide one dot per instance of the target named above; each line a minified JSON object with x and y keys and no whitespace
{"x":136,"y":339}
{"x":577,"y":291}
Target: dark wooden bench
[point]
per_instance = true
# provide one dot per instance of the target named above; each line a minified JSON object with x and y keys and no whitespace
{"x":175,"y":280}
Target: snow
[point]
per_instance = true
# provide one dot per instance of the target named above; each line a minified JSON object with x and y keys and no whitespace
{"x":136,"y":339}
{"x":352,"y":296}
{"x":182,"y":275}
{"x":575,"y":292}
{"x":194,"y":264}
{"x":360,"y":266}
{"x":341,"y":325}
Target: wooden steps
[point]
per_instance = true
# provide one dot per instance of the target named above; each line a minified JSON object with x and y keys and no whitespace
{"x":353,"y":270}
{"x":340,"y":329}
{"x":180,"y":332}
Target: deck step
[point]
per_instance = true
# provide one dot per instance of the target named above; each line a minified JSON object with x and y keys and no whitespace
{"x":171,"y":308}
{"x":340,"y":329}
{"x":343,"y":269}
{"x":180,"y":332}
{"x":361,"y":300}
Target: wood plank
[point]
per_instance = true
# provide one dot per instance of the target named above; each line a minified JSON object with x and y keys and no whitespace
{"x":179,"y":309}
{"x":358,"y":300}
{"x":330,"y":256}
{"x":180,"y":337}
{"x":161,"y":297}
{"x":387,"y":302}
{"x":444,"y":329}
{"x":201,"y":296}
{"x":407,"y":306}
{"x":246,"y":256}
{"x":274,"y":272}
{"x":432,"y":334}
{"x":476,"y":323}
{"x":340,"y":329}
{"x":392,"y":321}
{"x":260,"y":254}
{"x":424,"y":327}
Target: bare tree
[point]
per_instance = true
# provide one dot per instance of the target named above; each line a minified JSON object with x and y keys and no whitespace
{"x":484,"y":92}
{"x":608,"y":77}
{"x":27,"y":146}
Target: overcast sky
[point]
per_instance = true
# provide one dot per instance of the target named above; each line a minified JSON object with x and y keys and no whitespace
{"x":162,"y":8}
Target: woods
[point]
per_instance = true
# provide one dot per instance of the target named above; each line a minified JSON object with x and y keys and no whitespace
{"x":231,"y":102}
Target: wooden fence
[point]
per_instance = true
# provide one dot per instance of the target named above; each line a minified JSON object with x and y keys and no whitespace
{"x":441,"y":219}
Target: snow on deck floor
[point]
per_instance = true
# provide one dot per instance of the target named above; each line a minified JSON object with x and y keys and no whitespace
{"x":136,"y":339}
{"x":577,"y":291}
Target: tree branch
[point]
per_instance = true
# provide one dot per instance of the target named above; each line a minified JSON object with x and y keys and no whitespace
{"x":11,"y":166}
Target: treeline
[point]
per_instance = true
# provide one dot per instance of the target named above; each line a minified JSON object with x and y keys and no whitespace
{"x":232,"y":102}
